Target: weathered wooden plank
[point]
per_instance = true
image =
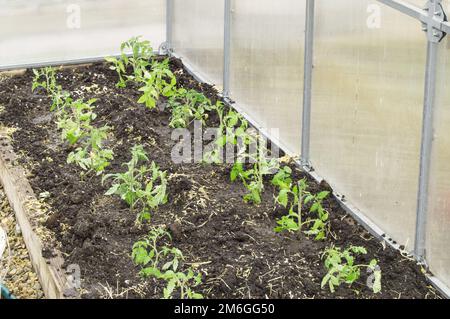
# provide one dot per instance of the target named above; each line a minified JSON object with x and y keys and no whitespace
{"x":24,"y":203}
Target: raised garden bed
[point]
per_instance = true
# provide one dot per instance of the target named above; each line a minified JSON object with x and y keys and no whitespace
{"x":231,"y":243}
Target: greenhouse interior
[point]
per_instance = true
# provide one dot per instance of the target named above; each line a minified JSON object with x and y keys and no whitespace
{"x":224,"y":149}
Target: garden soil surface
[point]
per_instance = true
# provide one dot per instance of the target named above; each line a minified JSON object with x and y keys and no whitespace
{"x":231,"y":243}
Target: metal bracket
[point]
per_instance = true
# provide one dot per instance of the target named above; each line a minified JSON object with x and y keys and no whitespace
{"x":432,"y":22}
{"x":164,"y":48}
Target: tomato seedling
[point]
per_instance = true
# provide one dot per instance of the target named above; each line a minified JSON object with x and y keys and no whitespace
{"x":141,"y":52}
{"x":159,"y":259}
{"x":253,"y":178}
{"x":91,"y":156}
{"x":76,"y":123}
{"x":294,"y":197}
{"x":140,"y":184}
{"x":188,"y":105}
{"x":159,"y":81}
{"x":46,"y":79}
{"x":342,"y":268}
{"x":232,"y":130}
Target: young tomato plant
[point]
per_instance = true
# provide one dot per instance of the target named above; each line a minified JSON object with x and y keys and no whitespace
{"x":320,"y":225}
{"x":127,"y":184}
{"x":232,"y":131}
{"x":91,"y":156}
{"x":74,"y":120}
{"x":120,"y":67}
{"x":293,"y":221}
{"x":148,"y":252}
{"x":184,"y":282}
{"x":253,"y":178}
{"x":188,"y":105}
{"x":141,"y":52}
{"x":76,"y":123}
{"x":46,"y":79}
{"x":155,"y":192}
{"x":160,"y":260}
{"x":140,"y":185}
{"x":342,"y":268}
{"x":294,"y":197}
{"x":159,"y":81}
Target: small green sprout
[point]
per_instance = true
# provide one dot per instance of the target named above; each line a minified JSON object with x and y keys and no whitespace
{"x":119,"y":66}
{"x":46,"y":79}
{"x":77,"y":124}
{"x":160,"y":260}
{"x":188,"y":105}
{"x":91,"y":156}
{"x":341,"y":268}
{"x":295,"y":197}
{"x":159,"y":81}
{"x":253,"y":178}
{"x":140,"y":184}
{"x":141,"y":52}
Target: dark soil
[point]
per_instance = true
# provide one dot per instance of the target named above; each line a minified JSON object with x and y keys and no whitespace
{"x":233,"y":243}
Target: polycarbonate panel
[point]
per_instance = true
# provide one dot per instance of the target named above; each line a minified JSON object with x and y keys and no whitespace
{"x":51,"y":30}
{"x":367,"y":103}
{"x":438,"y":234}
{"x":198,"y":36}
{"x":267,"y":65}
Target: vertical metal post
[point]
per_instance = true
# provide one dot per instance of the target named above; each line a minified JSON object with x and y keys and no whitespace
{"x":434,"y":36}
{"x":426,"y":150}
{"x":169,"y":25}
{"x":226,"y":49}
{"x":307,"y":82}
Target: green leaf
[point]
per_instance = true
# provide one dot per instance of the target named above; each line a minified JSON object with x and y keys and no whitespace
{"x":314,"y":207}
{"x":358,"y":250}
{"x":113,"y":190}
{"x":235,"y":172}
{"x":167,"y":265}
{"x":283,"y":197}
{"x":197,"y":296}
{"x":323,"y":195}
{"x":325,"y":280}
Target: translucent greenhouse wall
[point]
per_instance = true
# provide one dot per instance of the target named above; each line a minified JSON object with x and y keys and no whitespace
{"x":61,"y":30}
{"x":198,"y":36}
{"x":438,"y":235}
{"x":267,"y":46}
{"x":368,"y":71}
{"x":367,"y":105}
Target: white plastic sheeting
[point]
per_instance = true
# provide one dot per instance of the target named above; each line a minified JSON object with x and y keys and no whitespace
{"x":58,"y":30}
{"x":367,"y":106}
{"x":198,"y":36}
